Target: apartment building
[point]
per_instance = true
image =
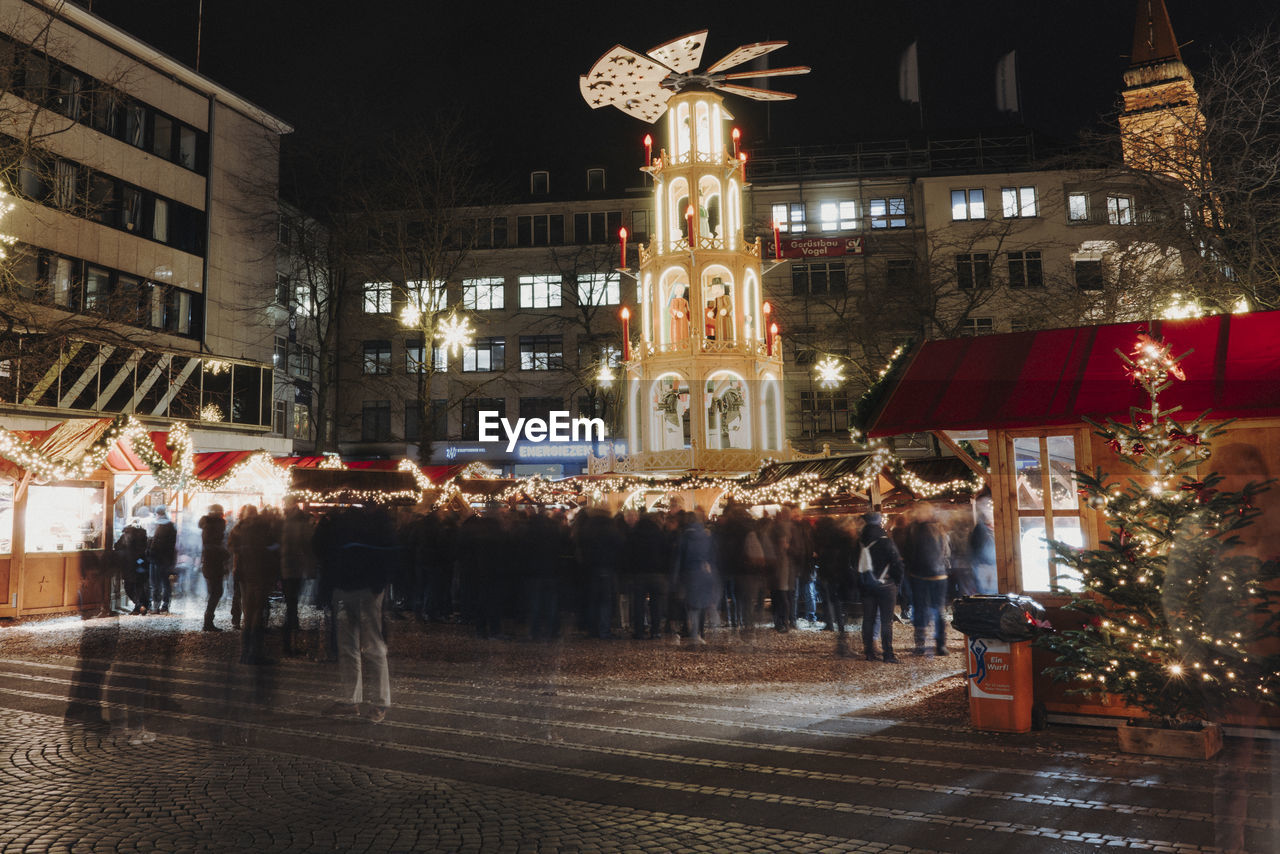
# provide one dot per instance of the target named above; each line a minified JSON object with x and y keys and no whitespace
{"x":144,"y":219}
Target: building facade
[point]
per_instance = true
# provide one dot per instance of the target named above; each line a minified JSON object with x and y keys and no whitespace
{"x":144,"y":217}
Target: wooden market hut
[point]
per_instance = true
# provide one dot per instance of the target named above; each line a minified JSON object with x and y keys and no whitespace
{"x":1027,"y":394}
{"x":57,"y":493}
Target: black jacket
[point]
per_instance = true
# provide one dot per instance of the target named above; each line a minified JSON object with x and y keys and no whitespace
{"x":883,"y":553}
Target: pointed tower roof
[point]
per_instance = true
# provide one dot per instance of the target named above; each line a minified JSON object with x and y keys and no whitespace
{"x":1153,"y":39}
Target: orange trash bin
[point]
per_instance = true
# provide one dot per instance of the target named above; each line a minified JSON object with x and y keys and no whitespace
{"x":999,"y":682}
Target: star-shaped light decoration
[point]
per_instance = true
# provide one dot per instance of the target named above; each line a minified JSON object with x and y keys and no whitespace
{"x":830,"y":372}
{"x":605,"y":377}
{"x":455,"y":334}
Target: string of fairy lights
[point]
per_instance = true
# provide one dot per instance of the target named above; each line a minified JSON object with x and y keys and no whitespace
{"x":1171,"y":632}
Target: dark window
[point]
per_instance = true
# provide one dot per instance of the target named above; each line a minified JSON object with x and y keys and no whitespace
{"x":1089,"y":275}
{"x":1025,"y":270}
{"x":471,"y":409}
{"x":377,"y":357}
{"x":595,"y":180}
{"x":977,"y":326}
{"x":899,"y":272}
{"x":540,"y":407}
{"x":973,"y":270}
{"x":817,"y":277}
{"x":824,"y":411}
{"x":540,"y":183}
{"x":375,"y":421}
{"x":540,"y":230}
{"x":597,"y":227}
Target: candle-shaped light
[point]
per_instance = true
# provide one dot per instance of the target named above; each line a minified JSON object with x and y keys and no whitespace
{"x":622,"y":238}
{"x":773,"y":334}
{"x":626,"y":334}
{"x":736,"y":134}
{"x":777,"y":239}
{"x":742,"y":166}
{"x":689,"y":215}
{"x":648,"y":151}
{"x":767,"y":309}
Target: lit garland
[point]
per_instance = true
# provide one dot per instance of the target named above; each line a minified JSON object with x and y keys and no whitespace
{"x":332,"y":462}
{"x":211,"y":413}
{"x":424,"y":482}
{"x":871,"y":399}
{"x":46,"y":469}
{"x":5,"y":207}
{"x":353,"y":496}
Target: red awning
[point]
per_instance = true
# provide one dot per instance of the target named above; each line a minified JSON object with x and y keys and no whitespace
{"x":1053,"y":377}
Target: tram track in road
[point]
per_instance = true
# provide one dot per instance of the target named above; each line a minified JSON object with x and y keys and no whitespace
{"x":683,"y":763}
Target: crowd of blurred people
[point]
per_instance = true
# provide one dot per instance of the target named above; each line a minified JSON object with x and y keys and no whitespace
{"x":538,"y":574}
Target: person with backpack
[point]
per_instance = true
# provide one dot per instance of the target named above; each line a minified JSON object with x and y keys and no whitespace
{"x":880,"y":572}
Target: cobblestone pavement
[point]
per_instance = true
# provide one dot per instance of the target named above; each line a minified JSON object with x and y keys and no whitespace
{"x":207,"y":755}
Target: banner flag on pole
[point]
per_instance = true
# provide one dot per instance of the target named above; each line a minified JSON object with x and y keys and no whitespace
{"x":1007,"y":83}
{"x":909,"y":75}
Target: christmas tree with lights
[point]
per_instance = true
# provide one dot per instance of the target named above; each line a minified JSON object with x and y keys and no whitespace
{"x":1176,"y":609}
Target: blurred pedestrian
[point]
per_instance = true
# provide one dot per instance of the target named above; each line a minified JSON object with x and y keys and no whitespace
{"x":982,"y":548}
{"x":833,"y":547}
{"x":879,"y":577}
{"x":927,"y":560}
{"x":698,"y":573}
{"x":363,"y":572}
{"x":297,"y":564}
{"x":131,"y":550}
{"x":164,"y":560}
{"x":213,"y":560}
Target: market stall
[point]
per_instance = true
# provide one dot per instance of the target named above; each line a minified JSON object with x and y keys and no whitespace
{"x":57,"y":487}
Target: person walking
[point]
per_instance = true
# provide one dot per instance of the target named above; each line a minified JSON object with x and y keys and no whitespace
{"x":697,"y":568}
{"x":297,"y":564}
{"x":132,"y":551}
{"x":213,"y":560}
{"x":880,"y":573}
{"x":362,"y":573}
{"x":164,"y":559}
{"x":927,"y":561}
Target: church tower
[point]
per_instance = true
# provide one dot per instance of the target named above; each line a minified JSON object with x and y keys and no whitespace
{"x":1161,"y":125}
{"x":704,"y":380}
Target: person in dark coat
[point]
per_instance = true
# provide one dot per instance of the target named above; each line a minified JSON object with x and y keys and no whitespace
{"x":213,"y":560}
{"x":927,"y":558}
{"x":880,"y":590}
{"x":647,"y":549}
{"x":360,"y":575}
{"x":599,"y":549}
{"x":833,"y":547}
{"x":697,"y":569}
{"x":540,"y":547}
{"x":132,"y":551}
{"x":164,"y":560}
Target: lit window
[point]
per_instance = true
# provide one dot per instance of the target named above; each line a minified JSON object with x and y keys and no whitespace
{"x":1019,"y":202}
{"x":889,"y":212}
{"x":599,"y":289}
{"x":377,"y":297}
{"x":486,"y":354}
{"x":413,"y":357}
{"x":789,"y":217}
{"x":968,"y":204}
{"x":426,"y":296}
{"x":1045,"y":465}
{"x":541,"y":352}
{"x":1120,"y":210}
{"x":1077,"y":207}
{"x":839,"y":216}
{"x":540,"y":292}
{"x":485,"y":294}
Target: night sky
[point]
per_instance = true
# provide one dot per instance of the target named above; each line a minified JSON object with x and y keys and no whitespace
{"x":513,"y":68}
